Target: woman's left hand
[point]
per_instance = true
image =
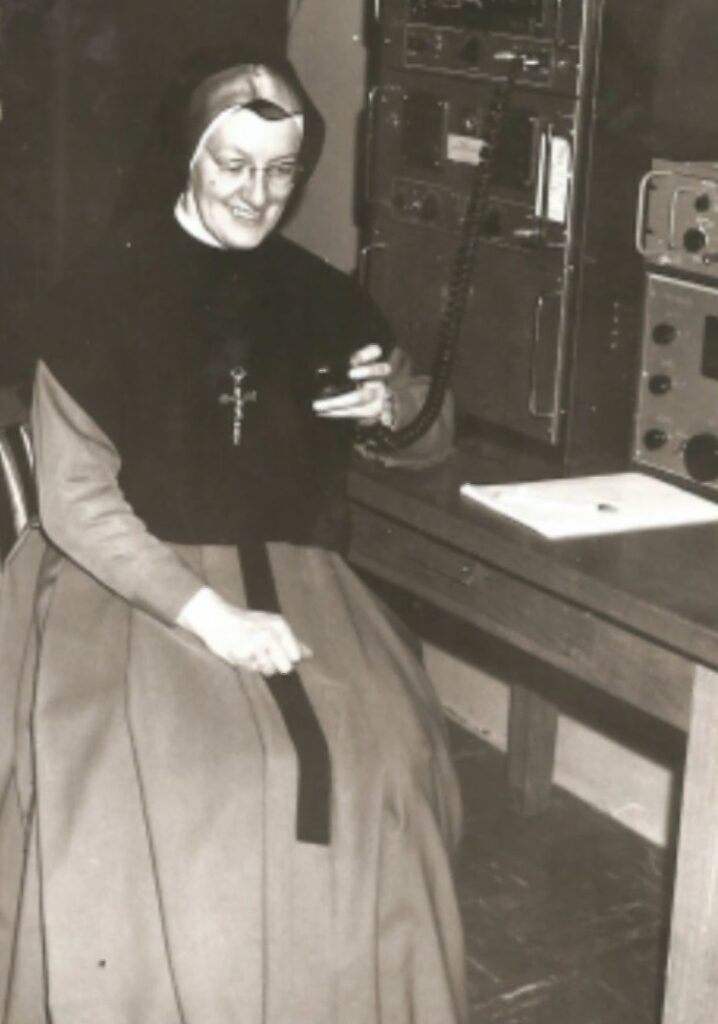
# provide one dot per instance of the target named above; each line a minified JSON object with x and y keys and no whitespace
{"x":371,"y":401}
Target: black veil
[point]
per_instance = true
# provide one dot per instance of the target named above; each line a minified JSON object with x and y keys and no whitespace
{"x":160,"y":173}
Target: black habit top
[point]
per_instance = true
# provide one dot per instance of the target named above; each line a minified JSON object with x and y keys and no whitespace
{"x":145,"y":336}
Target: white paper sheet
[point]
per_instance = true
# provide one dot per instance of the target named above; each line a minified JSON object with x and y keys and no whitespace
{"x":583,"y":506}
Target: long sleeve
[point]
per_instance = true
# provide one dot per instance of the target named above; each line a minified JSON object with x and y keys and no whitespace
{"x":409,"y":392}
{"x":84,"y":513}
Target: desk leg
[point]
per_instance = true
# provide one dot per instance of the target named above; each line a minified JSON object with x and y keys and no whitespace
{"x":531,"y":749}
{"x":692,"y":979}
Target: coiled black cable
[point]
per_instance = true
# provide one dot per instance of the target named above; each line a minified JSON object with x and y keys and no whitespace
{"x":380,"y":438}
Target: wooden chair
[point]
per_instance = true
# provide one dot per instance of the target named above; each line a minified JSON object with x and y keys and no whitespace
{"x":18,"y":497}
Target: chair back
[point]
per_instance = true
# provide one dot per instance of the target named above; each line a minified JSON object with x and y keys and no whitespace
{"x":18,"y":496}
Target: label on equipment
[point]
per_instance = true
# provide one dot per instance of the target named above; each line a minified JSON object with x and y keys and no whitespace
{"x":559,"y":179}
{"x":464,"y":149}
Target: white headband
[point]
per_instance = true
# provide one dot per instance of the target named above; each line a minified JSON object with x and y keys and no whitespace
{"x":296,"y":119}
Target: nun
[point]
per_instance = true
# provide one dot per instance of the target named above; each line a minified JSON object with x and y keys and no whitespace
{"x":226,"y":793}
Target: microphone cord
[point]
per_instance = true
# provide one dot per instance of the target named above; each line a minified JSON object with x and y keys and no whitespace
{"x":380,"y":438}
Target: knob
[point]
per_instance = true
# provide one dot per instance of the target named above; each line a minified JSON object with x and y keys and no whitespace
{"x":471,"y":51}
{"x":659,"y":384}
{"x":429,"y":209}
{"x":694,"y":240}
{"x":654,"y":439}
{"x":701,"y":457}
{"x":703,"y":203}
{"x":664,"y":333}
{"x":416,"y":43}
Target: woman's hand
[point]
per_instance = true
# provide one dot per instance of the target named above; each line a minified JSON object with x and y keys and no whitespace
{"x":260,"y":641}
{"x":371,"y":401}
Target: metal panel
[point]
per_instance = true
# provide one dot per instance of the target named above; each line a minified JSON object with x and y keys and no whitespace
{"x":551,"y":334}
{"x":677,"y":419}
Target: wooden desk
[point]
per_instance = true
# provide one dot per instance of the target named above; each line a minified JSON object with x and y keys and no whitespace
{"x":634,"y":615}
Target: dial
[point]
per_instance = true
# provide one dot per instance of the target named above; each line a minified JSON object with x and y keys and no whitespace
{"x":417,"y":43}
{"x":472,"y":50}
{"x":659,"y":384}
{"x":429,"y":209}
{"x":701,"y":457}
{"x":694,"y":240}
{"x":664,"y":333}
{"x":654,"y":439}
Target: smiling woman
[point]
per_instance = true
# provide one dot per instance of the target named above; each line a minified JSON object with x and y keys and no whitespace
{"x":227,"y":796}
{"x":230,"y":196}
{"x":235,"y":199}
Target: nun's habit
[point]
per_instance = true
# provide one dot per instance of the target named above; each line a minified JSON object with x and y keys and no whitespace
{"x":182,"y":842}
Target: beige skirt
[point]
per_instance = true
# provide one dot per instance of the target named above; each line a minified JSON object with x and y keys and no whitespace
{"x":149,"y":871}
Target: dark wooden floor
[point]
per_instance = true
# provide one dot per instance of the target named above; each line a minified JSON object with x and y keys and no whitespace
{"x":565,"y":914}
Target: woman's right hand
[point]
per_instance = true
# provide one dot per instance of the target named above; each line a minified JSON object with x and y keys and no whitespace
{"x":259,"y":641}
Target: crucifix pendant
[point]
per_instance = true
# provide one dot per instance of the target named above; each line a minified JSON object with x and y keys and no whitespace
{"x":237,"y":400}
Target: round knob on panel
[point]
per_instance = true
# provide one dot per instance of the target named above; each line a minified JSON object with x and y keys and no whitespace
{"x":664,"y":334}
{"x":701,"y":457}
{"x":694,"y":240}
{"x":429,"y":210}
{"x":659,"y":384}
{"x":654,"y":439}
{"x":703,"y":203}
{"x":417,"y":43}
{"x":471,"y":51}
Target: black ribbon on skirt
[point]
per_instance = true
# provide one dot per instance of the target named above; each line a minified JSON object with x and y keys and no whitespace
{"x":315,"y":771}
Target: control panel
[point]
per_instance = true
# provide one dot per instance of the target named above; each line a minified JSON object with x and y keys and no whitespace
{"x":559,"y":89}
{"x":450,"y":51}
{"x":479,"y":38}
{"x":676,"y":428}
{"x":430,"y":138}
{"x":517,"y":16}
{"x":677,"y":223}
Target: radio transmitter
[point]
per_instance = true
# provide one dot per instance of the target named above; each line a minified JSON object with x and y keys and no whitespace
{"x":676,"y":426}
{"x":677,"y":415}
{"x":548,"y":343}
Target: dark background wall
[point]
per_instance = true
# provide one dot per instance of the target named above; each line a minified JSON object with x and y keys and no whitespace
{"x":686,"y":93}
{"x":80,"y":81}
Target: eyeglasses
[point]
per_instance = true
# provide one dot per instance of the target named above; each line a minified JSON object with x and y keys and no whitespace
{"x":279,"y":176}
